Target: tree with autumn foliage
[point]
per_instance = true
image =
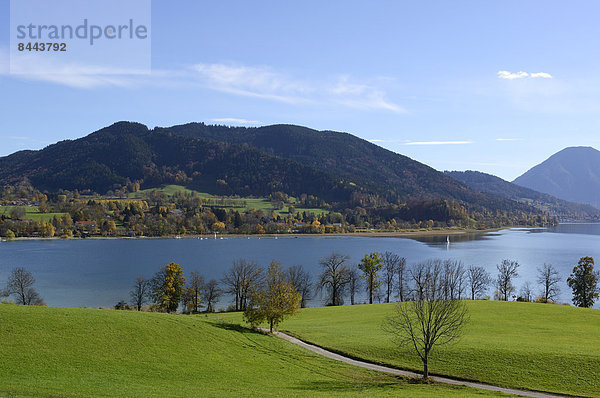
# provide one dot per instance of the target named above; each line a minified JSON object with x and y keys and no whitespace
{"x":274,"y":300}
{"x":370,"y":265}
{"x":168,"y":286}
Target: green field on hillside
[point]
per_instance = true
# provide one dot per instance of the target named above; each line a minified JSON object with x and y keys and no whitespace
{"x":244,"y":203}
{"x":523,"y":345}
{"x":57,"y":352}
{"x":31,"y":213}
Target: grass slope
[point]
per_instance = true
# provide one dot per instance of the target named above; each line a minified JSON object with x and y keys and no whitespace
{"x":51,"y":352}
{"x":523,"y":345}
{"x":31,"y":213}
{"x":250,"y":203}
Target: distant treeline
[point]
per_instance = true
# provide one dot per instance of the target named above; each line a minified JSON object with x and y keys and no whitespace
{"x":158,"y":214}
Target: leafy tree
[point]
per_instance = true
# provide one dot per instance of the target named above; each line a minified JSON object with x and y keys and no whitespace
{"x":429,"y":320}
{"x":140,"y":292}
{"x":334,"y":277}
{"x":479,"y":280}
{"x":17,"y":213}
{"x":507,"y":271}
{"x":122,"y":305}
{"x":549,"y":278}
{"x":20,"y":283}
{"x":370,"y":265}
{"x":167,"y":287}
{"x":584,"y":282}
{"x":274,"y":300}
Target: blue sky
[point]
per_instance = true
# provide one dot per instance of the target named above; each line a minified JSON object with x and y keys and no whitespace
{"x":495,"y":86}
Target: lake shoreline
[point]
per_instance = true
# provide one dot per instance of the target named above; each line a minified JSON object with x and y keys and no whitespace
{"x":374,"y":234}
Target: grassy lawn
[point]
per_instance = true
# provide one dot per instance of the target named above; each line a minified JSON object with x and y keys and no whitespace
{"x":31,"y":213}
{"x":251,"y":203}
{"x":524,"y":345}
{"x":52,"y":352}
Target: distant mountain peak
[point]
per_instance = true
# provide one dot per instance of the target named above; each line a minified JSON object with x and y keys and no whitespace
{"x":571,"y":174}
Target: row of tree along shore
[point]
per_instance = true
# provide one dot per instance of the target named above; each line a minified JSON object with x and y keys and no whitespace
{"x":384,"y":277}
{"x":27,"y":212}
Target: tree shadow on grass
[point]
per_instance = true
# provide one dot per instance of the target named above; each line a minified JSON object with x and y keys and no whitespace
{"x":233,"y":327}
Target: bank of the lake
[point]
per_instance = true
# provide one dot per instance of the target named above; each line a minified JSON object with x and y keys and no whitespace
{"x":100,"y":272}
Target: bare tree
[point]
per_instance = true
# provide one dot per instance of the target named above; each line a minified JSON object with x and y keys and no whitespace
{"x":300,"y":279}
{"x":526,"y":293}
{"x":453,"y":279}
{"x":429,"y":320}
{"x":390,"y":267}
{"x":549,"y":278}
{"x":479,"y":280}
{"x":211,"y":294}
{"x":20,"y":283}
{"x":140,"y":293}
{"x":239,"y":279}
{"x":507,"y":271}
{"x":354,"y":283}
{"x":334,"y":277}
{"x":195,"y":289}
{"x":401,"y":272}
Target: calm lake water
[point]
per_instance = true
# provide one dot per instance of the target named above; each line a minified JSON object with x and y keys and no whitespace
{"x":100,"y":272}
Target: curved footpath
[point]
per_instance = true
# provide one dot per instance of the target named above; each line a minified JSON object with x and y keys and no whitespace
{"x":405,"y":373}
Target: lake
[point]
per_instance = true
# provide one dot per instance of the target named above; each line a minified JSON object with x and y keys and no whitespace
{"x":100,"y":272}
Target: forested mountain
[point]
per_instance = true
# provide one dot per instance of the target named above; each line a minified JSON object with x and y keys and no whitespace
{"x":110,"y":157}
{"x":572,"y":174}
{"x":342,"y":171}
{"x":376,"y":169}
{"x":561,"y":208}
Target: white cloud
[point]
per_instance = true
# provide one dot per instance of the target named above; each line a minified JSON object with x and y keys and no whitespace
{"x":543,"y":75}
{"x":71,"y":75}
{"x":362,"y":96}
{"x":266,"y":83}
{"x":508,"y":139}
{"x":504,"y":74}
{"x":438,"y":142}
{"x":233,"y":120}
{"x":260,"y":82}
{"x":250,"y":81}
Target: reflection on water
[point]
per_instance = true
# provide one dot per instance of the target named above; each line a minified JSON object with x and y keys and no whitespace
{"x":443,"y":240}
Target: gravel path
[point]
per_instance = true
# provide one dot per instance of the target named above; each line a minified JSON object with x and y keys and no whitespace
{"x":405,"y":373}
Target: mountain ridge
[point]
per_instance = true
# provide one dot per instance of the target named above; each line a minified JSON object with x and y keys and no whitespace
{"x":572,"y":174}
{"x":564,"y":210}
{"x":341,"y":170}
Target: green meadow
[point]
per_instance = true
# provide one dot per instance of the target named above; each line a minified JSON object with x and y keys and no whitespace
{"x":244,"y":203}
{"x":31,"y":213}
{"x":531,"y":346}
{"x":58,"y":352}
